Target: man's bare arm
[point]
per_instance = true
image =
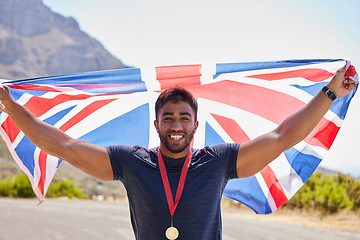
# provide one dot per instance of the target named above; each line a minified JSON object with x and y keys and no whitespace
{"x":91,"y":159}
{"x":257,"y":153}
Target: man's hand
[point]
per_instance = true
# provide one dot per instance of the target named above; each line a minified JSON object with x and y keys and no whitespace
{"x":340,"y":85}
{"x":5,"y":97}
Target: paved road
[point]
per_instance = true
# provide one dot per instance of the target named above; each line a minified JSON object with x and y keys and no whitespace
{"x":80,"y":220}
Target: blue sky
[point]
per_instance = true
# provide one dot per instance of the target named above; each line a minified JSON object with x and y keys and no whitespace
{"x":163,"y":32}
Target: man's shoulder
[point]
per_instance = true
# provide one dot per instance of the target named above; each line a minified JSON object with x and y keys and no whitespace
{"x":130,"y":148}
{"x":133,"y":155}
{"x":218,"y":148}
{"x":139,"y":150}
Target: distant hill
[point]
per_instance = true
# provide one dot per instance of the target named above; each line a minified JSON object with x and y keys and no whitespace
{"x":326,"y":171}
{"x":35,"y":41}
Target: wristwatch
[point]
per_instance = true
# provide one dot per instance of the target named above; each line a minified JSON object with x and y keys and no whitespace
{"x":329,"y":93}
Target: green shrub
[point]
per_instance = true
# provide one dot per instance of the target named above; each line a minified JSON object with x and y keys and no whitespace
{"x":322,"y":193}
{"x":16,"y":186}
{"x":352,"y":187}
{"x":19,"y":186}
{"x":65,"y":188}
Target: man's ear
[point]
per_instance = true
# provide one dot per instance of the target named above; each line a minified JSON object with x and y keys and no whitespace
{"x":196,"y":126}
{"x":156,"y":124}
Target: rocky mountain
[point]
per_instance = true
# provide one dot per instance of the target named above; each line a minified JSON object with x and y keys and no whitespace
{"x":35,"y":41}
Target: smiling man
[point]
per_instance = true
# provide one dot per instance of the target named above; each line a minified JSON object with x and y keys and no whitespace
{"x":176,"y":121}
{"x":175,"y":191}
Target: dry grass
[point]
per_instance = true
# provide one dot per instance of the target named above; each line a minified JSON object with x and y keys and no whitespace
{"x":342,"y":221}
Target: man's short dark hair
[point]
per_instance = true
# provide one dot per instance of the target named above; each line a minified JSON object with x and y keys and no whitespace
{"x":176,"y":94}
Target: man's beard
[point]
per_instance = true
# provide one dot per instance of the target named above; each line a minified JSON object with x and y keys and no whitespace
{"x":176,"y":148}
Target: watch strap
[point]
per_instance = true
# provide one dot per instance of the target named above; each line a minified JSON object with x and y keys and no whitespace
{"x":329,"y":93}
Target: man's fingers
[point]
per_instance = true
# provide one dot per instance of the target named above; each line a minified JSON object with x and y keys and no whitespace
{"x":3,"y":87}
{"x":349,"y":81}
{"x":6,"y":89}
{"x":2,"y":105}
{"x":349,"y":84}
{"x":343,"y":69}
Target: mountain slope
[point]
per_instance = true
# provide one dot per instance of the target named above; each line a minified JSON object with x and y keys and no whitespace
{"x":34,"y":41}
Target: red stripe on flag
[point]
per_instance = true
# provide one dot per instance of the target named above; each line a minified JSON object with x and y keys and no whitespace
{"x":11,"y":129}
{"x":274,"y":186}
{"x":250,"y":98}
{"x":34,"y":87}
{"x":39,"y":105}
{"x":324,"y":134}
{"x":180,"y":82}
{"x":232,"y":128}
{"x":85,"y":112}
{"x":180,"y":76}
{"x":350,"y":72}
{"x":314,"y":75}
{"x":42,"y":166}
{"x":171,"y":72}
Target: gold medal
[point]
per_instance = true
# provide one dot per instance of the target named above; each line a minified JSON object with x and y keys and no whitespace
{"x":172,"y":233}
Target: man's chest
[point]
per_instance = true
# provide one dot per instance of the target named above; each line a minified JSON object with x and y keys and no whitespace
{"x":202,"y":185}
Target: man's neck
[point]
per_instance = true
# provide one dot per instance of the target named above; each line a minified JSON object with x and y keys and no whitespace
{"x":166,"y":152}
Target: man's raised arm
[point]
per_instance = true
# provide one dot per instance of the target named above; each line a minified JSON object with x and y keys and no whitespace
{"x":257,"y":153}
{"x":91,"y":159}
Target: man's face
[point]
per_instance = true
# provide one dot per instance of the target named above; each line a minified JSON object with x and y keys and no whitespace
{"x":176,"y":127}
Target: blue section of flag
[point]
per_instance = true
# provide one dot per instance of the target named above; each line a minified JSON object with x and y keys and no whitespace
{"x":249,"y":66}
{"x":249,"y":194}
{"x":340,"y":105}
{"x":56,"y":117}
{"x":131,"y":128}
{"x":211,"y":136}
{"x":17,"y":93}
{"x":23,"y":149}
{"x":112,"y":81}
{"x":303,"y":164}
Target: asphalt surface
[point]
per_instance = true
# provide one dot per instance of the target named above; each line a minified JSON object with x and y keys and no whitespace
{"x":90,"y":220}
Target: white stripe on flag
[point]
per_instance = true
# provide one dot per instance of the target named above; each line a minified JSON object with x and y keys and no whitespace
{"x":266,"y":191}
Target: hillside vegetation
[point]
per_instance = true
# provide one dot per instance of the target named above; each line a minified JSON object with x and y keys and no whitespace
{"x":328,"y":194}
{"x":325,"y":194}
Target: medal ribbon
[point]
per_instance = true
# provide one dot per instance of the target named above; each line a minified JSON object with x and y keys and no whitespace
{"x":166,"y":183}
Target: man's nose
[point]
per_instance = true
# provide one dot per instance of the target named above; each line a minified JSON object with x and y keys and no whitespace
{"x":176,"y":125}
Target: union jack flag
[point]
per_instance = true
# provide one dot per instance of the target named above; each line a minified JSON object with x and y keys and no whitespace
{"x":237,"y":102}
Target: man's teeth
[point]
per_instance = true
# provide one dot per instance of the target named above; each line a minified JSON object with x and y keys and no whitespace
{"x":176,"y":137}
